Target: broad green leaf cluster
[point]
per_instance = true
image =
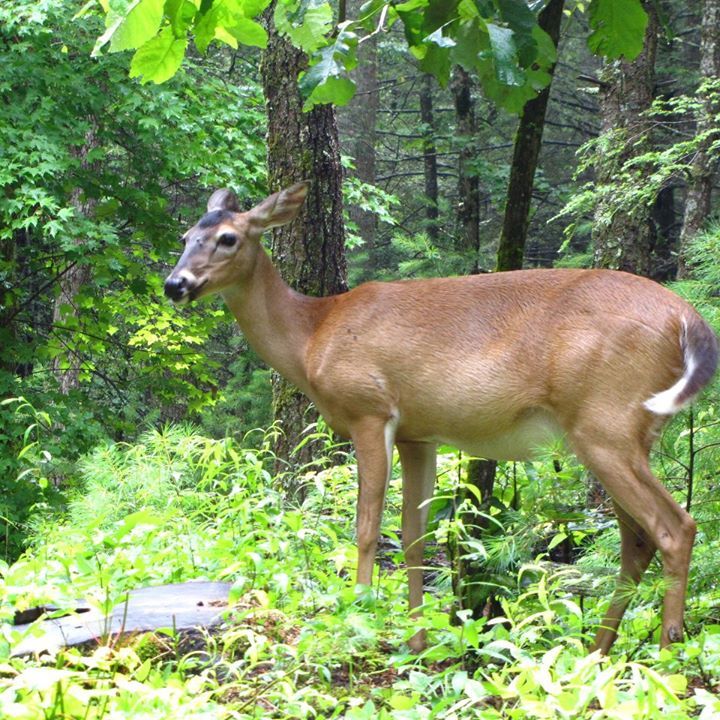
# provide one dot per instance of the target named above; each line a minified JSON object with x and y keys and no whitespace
{"x":99,"y":176}
{"x":499,"y":41}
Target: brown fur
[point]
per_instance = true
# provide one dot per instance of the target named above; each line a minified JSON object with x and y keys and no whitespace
{"x":495,"y":364}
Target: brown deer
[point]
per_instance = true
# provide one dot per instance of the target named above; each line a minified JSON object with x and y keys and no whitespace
{"x":497,"y":364}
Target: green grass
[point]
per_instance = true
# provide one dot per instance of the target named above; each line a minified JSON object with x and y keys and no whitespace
{"x":300,"y":642}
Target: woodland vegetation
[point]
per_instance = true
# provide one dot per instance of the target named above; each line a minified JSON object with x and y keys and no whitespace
{"x":142,"y":443}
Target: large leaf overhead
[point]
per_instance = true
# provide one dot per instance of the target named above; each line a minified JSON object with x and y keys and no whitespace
{"x":159,"y":59}
{"x":618,"y":28}
{"x":499,"y":41}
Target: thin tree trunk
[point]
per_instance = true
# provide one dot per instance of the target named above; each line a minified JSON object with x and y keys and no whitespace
{"x":67,"y":365}
{"x":7,"y":327}
{"x":704,"y":166}
{"x":359,"y":125}
{"x":528,"y":140}
{"x":429,"y":156}
{"x":468,"y":209}
{"x":623,"y":236}
{"x":310,"y":253}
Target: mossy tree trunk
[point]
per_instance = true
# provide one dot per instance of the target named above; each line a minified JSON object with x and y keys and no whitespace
{"x":468,"y":208}
{"x":623,"y":235}
{"x":310,"y":252}
{"x":526,"y":153}
{"x":7,"y":327}
{"x":429,"y":151}
{"x":67,"y":366}
{"x":358,"y":125}
{"x":704,"y":166}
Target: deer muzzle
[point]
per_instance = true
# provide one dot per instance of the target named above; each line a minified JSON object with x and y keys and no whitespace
{"x":182,"y":287}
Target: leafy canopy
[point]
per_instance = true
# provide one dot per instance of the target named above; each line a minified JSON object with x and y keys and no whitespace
{"x":498,"y":40}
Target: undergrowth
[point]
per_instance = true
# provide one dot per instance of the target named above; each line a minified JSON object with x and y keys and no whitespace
{"x":299,"y":641}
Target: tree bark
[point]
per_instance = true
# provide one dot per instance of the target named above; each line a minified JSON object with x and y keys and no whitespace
{"x":704,"y":165}
{"x":73,"y":281}
{"x":429,"y":156}
{"x":360,"y":124}
{"x":468,"y":209}
{"x":7,"y":327}
{"x":310,"y":252}
{"x":528,"y":140}
{"x":623,"y":236}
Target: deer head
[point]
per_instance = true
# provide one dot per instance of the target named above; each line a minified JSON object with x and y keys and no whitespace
{"x":222,"y":248}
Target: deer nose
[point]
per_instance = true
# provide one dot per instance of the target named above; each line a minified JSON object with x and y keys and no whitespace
{"x":176,"y":287}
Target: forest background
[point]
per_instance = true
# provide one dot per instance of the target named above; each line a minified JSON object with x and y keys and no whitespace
{"x":440,"y":138}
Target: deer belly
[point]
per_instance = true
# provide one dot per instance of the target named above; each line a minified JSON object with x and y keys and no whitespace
{"x":523,"y":439}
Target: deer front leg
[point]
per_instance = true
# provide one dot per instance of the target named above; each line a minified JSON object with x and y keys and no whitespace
{"x":418,"y":465}
{"x":373,"y":439}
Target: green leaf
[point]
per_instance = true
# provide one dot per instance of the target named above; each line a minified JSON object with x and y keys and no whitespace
{"x":413,"y":21}
{"x":130,"y":24}
{"x":326,"y":80}
{"x":231,"y":22}
{"x":618,"y":28}
{"x":523,"y":23}
{"x":504,"y":55}
{"x":517,"y":15}
{"x":159,"y":59}
{"x":307,"y":26}
{"x":244,"y":31}
{"x":437,"y":62}
{"x":335,"y":90}
{"x":181,"y":14}
{"x":439,"y":13}
{"x":470,"y":42}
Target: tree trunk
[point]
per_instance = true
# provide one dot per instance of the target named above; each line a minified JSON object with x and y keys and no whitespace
{"x":359,"y":126}
{"x":79,"y":274}
{"x":7,"y":327}
{"x":623,"y":236}
{"x":697,"y":200}
{"x":468,"y":209}
{"x":429,"y":156}
{"x":511,"y":249}
{"x":310,"y":252}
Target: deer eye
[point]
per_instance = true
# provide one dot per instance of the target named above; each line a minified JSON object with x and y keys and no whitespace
{"x":227,"y":239}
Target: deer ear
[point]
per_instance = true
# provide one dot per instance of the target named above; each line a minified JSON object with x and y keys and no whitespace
{"x":223,"y":199}
{"x":280,"y":208}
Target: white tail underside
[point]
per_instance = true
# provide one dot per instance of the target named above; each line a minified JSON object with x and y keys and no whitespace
{"x":666,"y":402}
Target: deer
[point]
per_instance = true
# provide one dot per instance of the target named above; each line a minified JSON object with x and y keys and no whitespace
{"x":499,"y":365}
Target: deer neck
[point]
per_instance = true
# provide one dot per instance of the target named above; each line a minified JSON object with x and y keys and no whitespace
{"x":277,"y":321}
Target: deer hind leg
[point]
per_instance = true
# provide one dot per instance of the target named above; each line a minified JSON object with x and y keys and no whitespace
{"x":636,"y":552}
{"x":419,"y":465}
{"x":667,"y":527}
{"x":373,"y":439}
